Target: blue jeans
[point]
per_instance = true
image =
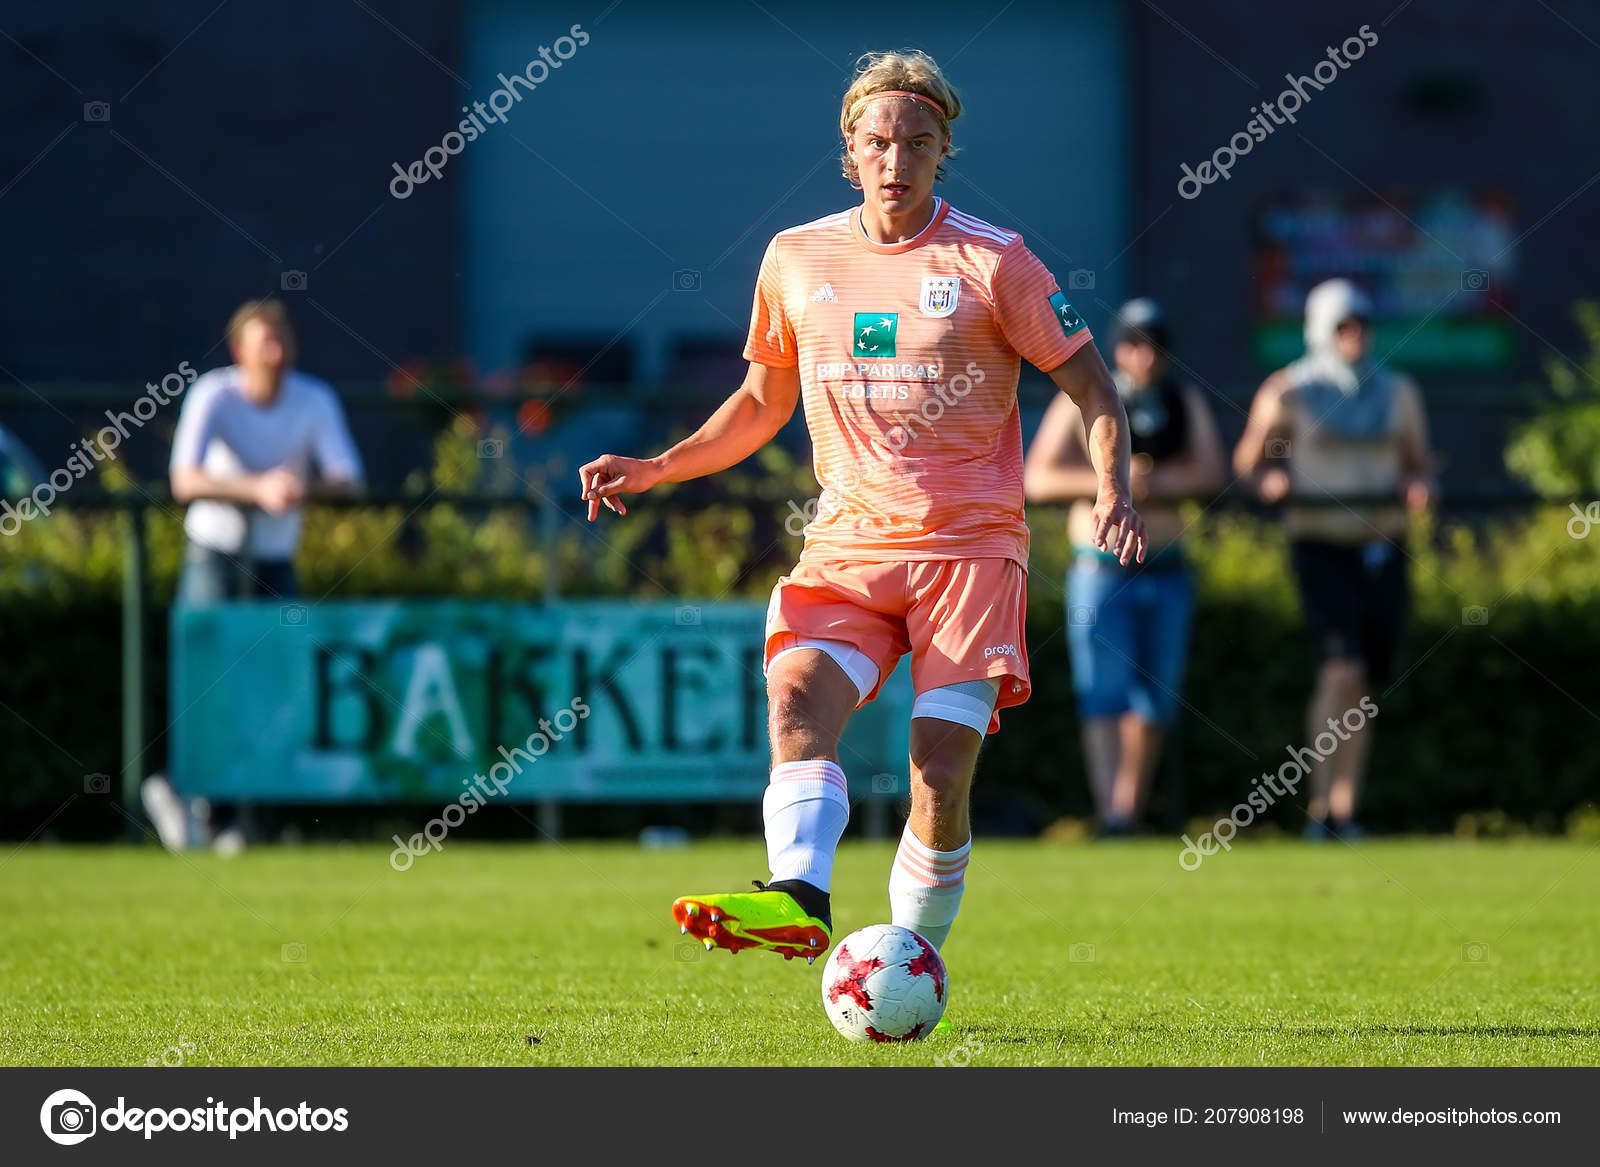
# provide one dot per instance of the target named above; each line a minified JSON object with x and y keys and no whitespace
{"x":211,"y":577}
{"x":1128,"y":634}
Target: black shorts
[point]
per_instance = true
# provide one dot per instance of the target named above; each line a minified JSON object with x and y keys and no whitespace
{"x":1354,"y":597}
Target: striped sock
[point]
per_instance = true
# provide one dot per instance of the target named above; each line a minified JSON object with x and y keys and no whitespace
{"x":806,"y":807}
{"x":925,"y":887}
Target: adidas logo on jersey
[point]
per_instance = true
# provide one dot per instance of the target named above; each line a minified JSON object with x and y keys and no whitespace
{"x":824,"y":295}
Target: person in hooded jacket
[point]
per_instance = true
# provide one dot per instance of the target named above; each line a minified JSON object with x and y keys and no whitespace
{"x":1338,"y":430}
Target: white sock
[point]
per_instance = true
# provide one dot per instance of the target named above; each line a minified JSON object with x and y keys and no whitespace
{"x":925,"y":887}
{"x":806,"y":807}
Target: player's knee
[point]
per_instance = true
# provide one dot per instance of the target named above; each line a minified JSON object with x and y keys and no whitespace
{"x":941,"y":781}
{"x":790,"y":718}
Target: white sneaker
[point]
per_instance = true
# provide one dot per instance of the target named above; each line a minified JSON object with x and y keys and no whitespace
{"x":228,"y":843}
{"x":166,"y":811}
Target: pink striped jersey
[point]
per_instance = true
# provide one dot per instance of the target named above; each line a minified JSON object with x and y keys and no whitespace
{"x":908,"y":356}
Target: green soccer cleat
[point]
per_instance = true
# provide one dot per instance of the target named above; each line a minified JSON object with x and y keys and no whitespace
{"x":765,"y":918}
{"x":944,"y":1026}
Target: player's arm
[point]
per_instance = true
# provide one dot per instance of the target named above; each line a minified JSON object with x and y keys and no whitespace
{"x":741,"y":425}
{"x":1057,"y":468}
{"x":1200,"y":467}
{"x":1086,"y":380}
{"x":1268,"y":420}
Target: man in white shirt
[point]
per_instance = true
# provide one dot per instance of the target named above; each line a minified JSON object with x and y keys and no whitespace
{"x":247,"y":441}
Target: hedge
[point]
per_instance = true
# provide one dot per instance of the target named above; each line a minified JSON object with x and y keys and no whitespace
{"x":1491,"y":719}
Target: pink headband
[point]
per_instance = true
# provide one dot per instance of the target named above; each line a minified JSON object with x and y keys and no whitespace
{"x":927,"y":101}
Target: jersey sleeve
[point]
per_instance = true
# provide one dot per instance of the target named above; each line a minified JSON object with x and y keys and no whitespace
{"x":1030,"y":311}
{"x":771,"y":341}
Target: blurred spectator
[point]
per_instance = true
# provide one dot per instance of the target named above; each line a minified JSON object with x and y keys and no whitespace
{"x":1128,"y":627}
{"x":247,"y":440}
{"x":20,"y":471}
{"x":1337,"y":425}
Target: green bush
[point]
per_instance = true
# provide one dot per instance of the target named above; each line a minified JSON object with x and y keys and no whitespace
{"x":1558,"y":451}
{"x":1490,"y":717}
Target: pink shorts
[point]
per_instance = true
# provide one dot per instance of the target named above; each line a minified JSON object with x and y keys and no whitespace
{"x":960,"y":619}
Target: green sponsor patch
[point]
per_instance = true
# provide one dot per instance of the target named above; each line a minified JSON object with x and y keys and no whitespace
{"x":874,"y":334}
{"x":1066,"y":314}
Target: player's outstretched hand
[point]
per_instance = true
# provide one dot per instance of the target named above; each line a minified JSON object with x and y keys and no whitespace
{"x":1118,"y":528}
{"x":610,"y":475}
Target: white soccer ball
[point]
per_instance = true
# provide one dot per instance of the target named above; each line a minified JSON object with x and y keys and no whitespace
{"x":884,"y":983}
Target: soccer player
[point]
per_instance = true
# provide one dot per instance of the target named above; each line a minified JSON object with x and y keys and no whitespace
{"x":1345,"y":425}
{"x":901,"y":323}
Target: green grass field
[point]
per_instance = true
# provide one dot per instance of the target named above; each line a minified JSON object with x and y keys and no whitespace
{"x":1393,"y":953}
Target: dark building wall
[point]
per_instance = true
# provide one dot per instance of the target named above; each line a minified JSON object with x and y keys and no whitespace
{"x":1469,"y":95}
{"x":242,"y":141}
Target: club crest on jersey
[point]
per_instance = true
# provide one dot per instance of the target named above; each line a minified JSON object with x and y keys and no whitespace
{"x":875,"y":334}
{"x":939,"y":295}
{"x":1066,"y":314}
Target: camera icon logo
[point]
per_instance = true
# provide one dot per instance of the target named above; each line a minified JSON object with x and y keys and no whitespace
{"x":686,"y":616}
{"x":1080,"y":279}
{"x":1081,"y":953}
{"x":1279,"y":448}
{"x":97,"y":784}
{"x":885,"y":783}
{"x":293,"y":953}
{"x":97,"y":111}
{"x":292,"y":281}
{"x":293,"y":615}
{"x":1081,"y":615}
{"x":1475,"y":614}
{"x":492,"y":448}
{"x":959,"y":1056}
{"x":687,"y":950}
{"x":1475,"y":952}
{"x":1474,"y":279}
{"x":67,"y":1117}
{"x":686,"y":279}
{"x":174,"y":1055}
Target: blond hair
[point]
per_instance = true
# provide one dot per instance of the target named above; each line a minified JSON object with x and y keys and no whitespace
{"x":909,"y":71}
{"x":274,"y":313}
